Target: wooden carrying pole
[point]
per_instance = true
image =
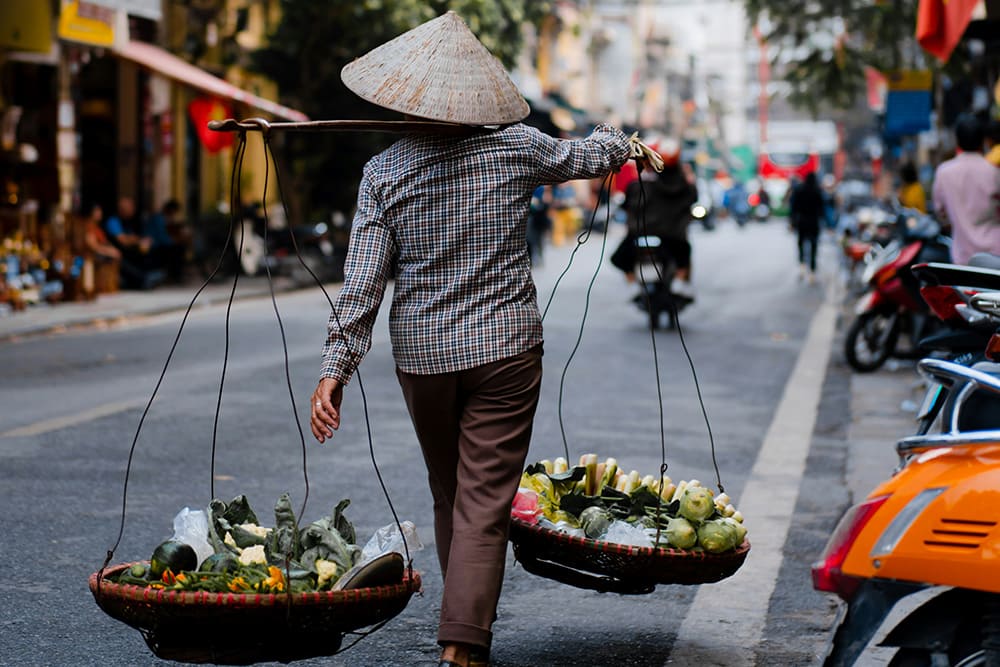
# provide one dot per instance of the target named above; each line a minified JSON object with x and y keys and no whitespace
{"x":390,"y":126}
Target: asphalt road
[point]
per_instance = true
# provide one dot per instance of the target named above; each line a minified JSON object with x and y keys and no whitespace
{"x":72,"y":404}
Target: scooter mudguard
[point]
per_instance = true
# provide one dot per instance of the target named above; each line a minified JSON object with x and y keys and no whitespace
{"x":865,"y":614}
{"x":933,"y":624}
{"x":869,"y":301}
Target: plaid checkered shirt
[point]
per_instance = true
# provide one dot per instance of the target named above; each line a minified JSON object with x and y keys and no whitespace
{"x":451,"y":215}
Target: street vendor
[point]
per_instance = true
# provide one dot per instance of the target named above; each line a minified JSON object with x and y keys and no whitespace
{"x":449,"y":213}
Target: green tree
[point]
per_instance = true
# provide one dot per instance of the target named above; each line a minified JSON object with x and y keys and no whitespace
{"x":825,"y":45}
{"x":312,"y":43}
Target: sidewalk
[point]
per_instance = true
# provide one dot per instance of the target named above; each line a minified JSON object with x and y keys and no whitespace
{"x":107,"y":309}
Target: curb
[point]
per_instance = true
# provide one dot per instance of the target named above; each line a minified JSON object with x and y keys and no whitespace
{"x":123,"y":315}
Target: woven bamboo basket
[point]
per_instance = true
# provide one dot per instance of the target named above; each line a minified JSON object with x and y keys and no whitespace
{"x":617,"y":568}
{"x":241,"y":629}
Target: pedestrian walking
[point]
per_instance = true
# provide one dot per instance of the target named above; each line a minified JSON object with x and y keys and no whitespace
{"x":911,"y":192}
{"x":805,"y":209}
{"x":966,"y":194}
{"x":539,"y":223}
{"x":450,"y":214}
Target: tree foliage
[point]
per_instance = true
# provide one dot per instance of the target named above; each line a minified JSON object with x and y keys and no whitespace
{"x":312,"y":43}
{"x":824,"y":46}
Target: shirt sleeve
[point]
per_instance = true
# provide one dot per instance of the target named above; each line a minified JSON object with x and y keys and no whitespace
{"x":366,"y":272}
{"x":558,"y":160}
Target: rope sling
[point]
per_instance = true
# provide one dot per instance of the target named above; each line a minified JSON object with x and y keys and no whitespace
{"x":244,"y":628}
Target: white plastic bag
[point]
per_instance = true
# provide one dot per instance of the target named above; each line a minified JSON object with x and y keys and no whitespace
{"x":561,"y":527}
{"x":191,"y":528}
{"x":387,"y":539}
{"x":622,"y":532}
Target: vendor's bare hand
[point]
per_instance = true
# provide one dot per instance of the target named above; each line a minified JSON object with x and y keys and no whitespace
{"x":326,"y":400}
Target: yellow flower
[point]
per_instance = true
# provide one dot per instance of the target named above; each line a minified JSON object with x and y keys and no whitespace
{"x":238,"y":585}
{"x":276,"y":580}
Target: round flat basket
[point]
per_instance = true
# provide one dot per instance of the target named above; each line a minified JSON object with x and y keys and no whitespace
{"x":617,"y":568}
{"x":241,"y":629}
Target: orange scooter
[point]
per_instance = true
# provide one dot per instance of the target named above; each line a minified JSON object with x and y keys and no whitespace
{"x":918,"y":562}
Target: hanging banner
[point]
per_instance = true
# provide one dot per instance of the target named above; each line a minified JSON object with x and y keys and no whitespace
{"x":908,"y":103}
{"x":940,"y":24}
{"x":204,"y":109}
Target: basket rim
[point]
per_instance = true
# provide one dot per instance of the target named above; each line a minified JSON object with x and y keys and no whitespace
{"x":602,"y":546}
{"x":133,"y":592}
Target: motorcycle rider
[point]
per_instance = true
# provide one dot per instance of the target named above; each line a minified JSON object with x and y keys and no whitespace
{"x":660,"y":205}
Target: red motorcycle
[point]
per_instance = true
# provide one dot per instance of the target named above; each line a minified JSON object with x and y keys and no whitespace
{"x":892,"y":306}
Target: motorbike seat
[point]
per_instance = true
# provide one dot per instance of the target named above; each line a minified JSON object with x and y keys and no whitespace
{"x":985,"y":260}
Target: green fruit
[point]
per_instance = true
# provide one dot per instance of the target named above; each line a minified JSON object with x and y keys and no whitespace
{"x":224,"y":562}
{"x":138,"y":571}
{"x":172,"y":555}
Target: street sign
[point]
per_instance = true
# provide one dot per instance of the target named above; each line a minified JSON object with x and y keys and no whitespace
{"x":908,"y":103}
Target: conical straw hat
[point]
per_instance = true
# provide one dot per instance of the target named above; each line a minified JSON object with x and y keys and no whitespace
{"x":438,"y":71}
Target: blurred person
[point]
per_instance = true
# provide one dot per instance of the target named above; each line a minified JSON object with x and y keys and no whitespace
{"x":94,"y":238}
{"x":806,"y":208}
{"x":966,"y":194}
{"x":736,"y":202}
{"x":911,"y":192}
{"x":166,"y":250}
{"x":139,"y":269}
{"x":539,"y":223}
{"x":466,"y":332}
{"x":564,"y":213}
{"x":993,"y":142}
{"x":668,"y":197}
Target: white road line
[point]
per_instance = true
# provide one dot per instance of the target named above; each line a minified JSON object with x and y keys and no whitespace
{"x":726,"y":620}
{"x":56,"y":423}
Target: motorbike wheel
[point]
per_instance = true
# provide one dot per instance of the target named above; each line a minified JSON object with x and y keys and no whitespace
{"x":966,"y":650}
{"x":871,"y":340}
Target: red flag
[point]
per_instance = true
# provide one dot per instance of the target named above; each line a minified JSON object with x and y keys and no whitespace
{"x":205,"y":109}
{"x":940,"y":24}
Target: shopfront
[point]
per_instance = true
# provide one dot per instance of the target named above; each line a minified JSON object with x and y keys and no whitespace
{"x":92,"y":109}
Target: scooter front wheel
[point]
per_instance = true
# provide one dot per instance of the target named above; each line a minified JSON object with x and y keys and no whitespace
{"x":871,"y":340}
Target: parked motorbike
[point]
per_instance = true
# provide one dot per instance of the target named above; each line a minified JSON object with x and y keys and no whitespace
{"x":248,"y":252}
{"x":922,"y":546}
{"x":915,"y":561}
{"x":655,"y":272}
{"x":892,"y":306}
{"x":970,"y":320}
{"x":864,"y":231}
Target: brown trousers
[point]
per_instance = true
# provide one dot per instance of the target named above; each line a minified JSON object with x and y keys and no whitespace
{"x":474,"y":427}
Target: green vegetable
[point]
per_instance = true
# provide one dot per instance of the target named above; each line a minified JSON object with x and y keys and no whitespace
{"x":696,"y":503}
{"x":716,"y":536}
{"x":680,"y":533}
{"x":331,"y":538}
{"x":138,"y":571}
{"x":741,"y":530}
{"x":283,"y":541}
{"x":595,"y":521}
{"x":224,"y":562}
{"x":172,"y":555}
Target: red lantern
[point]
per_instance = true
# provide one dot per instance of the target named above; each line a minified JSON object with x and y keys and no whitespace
{"x":205,"y":109}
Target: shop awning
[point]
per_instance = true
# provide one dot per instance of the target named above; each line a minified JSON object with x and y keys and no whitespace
{"x":163,"y":62}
